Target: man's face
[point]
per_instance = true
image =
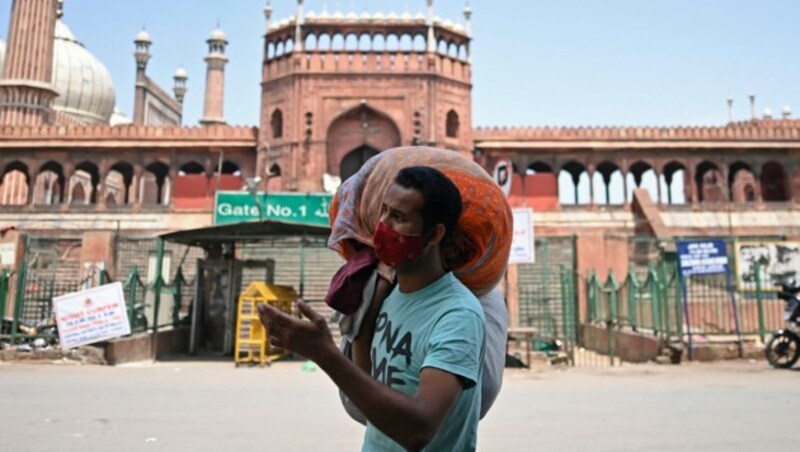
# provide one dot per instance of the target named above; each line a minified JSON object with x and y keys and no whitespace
{"x":401,"y":208}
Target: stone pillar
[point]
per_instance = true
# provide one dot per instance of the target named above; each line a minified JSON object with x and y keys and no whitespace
{"x":136,"y":185}
{"x":33,"y":174}
{"x":215,"y":79}
{"x":12,"y":253}
{"x":97,"y":253}
{"x":26,"y":93}
{"x":511,"y":294}
{"x":757,"y":177}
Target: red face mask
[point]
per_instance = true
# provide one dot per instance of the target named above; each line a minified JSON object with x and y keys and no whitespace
{"x":394,"y":248}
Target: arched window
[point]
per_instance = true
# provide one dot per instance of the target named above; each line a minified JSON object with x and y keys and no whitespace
{"x":452,"y":124}
{"x":277,"y":123}
{"x":191,"y":168}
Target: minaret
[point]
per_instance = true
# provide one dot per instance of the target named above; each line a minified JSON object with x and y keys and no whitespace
{"x":26,"y":92}
{"x":431,"y":35}
{"x":179,"y":88}
{"x":298,"y":27}
{"x":468,"y":27}
{"x":142,"y":55}
{"x":215,"y":79}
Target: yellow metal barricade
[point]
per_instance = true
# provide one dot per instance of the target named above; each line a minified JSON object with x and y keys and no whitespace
{"x":252,"y":340}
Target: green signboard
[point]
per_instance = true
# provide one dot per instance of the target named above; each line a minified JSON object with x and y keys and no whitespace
{"x":240,"y":206}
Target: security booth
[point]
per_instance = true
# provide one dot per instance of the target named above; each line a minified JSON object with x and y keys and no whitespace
{"x":270,"y":252}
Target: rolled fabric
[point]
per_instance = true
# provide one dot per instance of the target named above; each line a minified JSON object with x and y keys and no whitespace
{"x":480,"y":245}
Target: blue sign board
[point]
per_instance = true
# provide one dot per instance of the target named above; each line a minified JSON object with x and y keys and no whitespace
{"x":703,"y":257}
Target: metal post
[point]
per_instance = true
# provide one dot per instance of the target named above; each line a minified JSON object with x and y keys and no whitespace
{"x":176,"y":306}
{"x":4,"y":283}
{"x":20,"y":293}
{"x":655,"y":301}
{"x":159,"y":282}
{"x":564,"y":313}
{"x":633,"y":316}
{"x":682,"y":282}
{"x":133,"y":280}
{"x":762,"y":327}
{"x":302,"y":264}
{"x":735,"y":312}
{"x":613,"y":315}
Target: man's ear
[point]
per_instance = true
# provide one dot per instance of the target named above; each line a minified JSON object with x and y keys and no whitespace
{"x":438,"y":234}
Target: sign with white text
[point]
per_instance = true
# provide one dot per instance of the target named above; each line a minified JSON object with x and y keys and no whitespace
{"x":91,"y":315}
{"x":702,"y":257}
{"x":241,"y":206}
{"x":522,"y":244}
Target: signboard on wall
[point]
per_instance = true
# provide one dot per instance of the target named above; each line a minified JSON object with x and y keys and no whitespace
{"x":523,"y":250}
{"x":91,"y":315}
{"x":241,"y":206}
{"x":702,"y":257}
{"x":776,"y":261}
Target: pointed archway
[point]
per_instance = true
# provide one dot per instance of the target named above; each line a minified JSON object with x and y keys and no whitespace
{"x":357,"y":135}
{"x":353,"y":161}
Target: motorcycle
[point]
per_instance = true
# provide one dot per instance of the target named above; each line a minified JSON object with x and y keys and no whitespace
{"x":783,"y":349}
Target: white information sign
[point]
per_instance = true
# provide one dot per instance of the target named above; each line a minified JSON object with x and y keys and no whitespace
{"x":522,"y":245}
{"x":91,"y":315}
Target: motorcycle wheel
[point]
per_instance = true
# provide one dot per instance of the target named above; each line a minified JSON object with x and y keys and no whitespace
{"x":782,"y":351}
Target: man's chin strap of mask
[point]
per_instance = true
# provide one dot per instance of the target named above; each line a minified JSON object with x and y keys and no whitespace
{"x":394,"y":248}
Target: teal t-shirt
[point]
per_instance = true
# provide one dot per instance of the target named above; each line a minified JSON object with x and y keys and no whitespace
{"x":440,"y":326}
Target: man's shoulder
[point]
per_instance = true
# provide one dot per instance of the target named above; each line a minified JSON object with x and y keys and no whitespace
{"x":459,"y":297}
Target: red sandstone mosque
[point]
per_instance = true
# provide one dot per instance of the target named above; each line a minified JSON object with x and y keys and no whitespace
{"x":337,"y":89}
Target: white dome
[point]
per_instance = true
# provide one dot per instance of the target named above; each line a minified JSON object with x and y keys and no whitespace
{"x":392,"y":16}
{"x":119,"y":119}
{"x":84,"y":85}
{"x":351,"y":16}
{"x":217,"y":35}
{"x":181,"y":73}
{"x":419,"y":16}
{"x":378,"y":16}
{"x":366,"y":16}
{"x":406,"y":16}
{"x":311,"y":15}
{"x":338,"y":15}
{"x":143,"y":36}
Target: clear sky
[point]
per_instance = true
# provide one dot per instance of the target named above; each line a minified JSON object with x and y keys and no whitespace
{"x":535,"y":62}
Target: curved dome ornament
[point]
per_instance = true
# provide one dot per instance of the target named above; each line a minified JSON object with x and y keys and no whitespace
{"x":85,"y":88}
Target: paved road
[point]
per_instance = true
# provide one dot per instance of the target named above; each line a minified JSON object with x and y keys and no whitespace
{"x":211,"y":406}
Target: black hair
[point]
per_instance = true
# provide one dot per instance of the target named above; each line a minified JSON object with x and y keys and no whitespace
{"x":441,"y":199}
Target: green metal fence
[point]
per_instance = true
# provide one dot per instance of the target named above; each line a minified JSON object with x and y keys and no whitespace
{"x":653,"y":298}
{"x":546,"y":289}
{"x":50,"y":268}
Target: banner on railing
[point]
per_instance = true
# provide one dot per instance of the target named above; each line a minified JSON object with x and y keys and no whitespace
{"x":775,"y":260}
{"x":91,"y":315}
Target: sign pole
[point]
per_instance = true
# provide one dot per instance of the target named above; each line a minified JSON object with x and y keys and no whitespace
{"x":735,"y":313}
{"x":686,"y":316}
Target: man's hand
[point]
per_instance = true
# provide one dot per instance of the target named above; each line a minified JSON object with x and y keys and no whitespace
{"x":310,"y":338}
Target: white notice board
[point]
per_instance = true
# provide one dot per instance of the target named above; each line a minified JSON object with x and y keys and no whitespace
{"x":91,"y":315}
{"x":522,"y":245}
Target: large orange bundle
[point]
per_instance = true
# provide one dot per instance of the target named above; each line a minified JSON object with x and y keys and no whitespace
{"x":481,"y":242}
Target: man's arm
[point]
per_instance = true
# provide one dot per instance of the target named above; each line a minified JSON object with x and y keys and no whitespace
{"x":410,"y":421}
